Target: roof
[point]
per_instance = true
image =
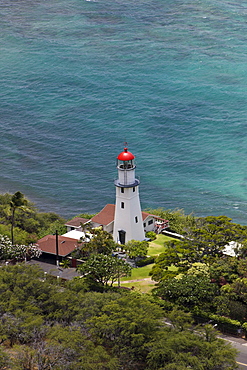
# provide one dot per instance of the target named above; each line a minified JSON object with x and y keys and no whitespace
{"x":125,"y":155}
{"x":76,"y":221}
{"x":65,"y":245}
{"x":105,"y":216}
{"x":146,"y":214}
{"x":231,"y":249}
{"x":74,"y":234}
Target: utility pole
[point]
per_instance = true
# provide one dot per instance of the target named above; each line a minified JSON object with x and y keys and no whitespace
{"x":57,"y":254}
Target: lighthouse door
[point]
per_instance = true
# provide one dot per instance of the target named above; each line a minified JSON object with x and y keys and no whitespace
{"x":122,"y":234}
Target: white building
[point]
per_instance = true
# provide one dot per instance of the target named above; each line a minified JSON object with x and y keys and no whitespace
{"x":128,"y":223}
{"x":124,"y":220}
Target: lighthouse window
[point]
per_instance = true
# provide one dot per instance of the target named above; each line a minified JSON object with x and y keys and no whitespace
{"x":122,"y":190}
{"x":136,"y":219}
{"x":134,"y":189}
{"x":122,"y":204}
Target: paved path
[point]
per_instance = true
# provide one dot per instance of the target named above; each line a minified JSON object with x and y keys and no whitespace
{"x":149,"y":279}
{"x":53,"y":270}
{"x":241,"y":345}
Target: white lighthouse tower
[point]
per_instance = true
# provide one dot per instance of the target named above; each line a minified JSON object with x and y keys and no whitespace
{"x":128,"y":222}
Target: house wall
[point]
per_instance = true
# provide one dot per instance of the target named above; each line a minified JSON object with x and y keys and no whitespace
{"x":69,"y":228}
{"x":149,"y":224}
{"x":108,"y":228}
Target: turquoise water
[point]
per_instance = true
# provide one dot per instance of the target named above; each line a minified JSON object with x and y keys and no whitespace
{"x":78,"y":78}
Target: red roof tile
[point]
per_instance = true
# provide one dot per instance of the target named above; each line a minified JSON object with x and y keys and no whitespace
{"x":145,"y":215}
{"x":76,"y":222}
{"x":65,"y":245}
{"x":105,"y":216}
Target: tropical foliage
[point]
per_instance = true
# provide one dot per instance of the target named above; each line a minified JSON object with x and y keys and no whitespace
{"x":23,"y":223}
{"x":16,"y":252}
{"x":104,"y":269}
{"x":179,"y":222}
{"x":196,"y":274}
{"x":136,"y":248}
{"x":48,"y":326}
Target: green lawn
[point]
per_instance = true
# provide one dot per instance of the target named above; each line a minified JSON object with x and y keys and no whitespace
{"x":142,"y":286}
{"x":157,"y":246}
{"x":139,"y":273}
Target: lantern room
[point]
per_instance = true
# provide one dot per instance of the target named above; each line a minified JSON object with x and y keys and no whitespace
{"x":126,"y":170}
{"x":125,"y":160}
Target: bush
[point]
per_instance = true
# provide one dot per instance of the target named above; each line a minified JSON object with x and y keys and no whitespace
{"x":151,"y":235}
{"x":224,"y":324}
{"x":145,"y":261}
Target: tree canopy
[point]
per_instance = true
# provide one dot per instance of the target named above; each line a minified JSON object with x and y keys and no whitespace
{"x":66,"y":328}
{"x":23,"y":223}
{"x":136,"y":248}
{"x":104,"y":269}
{"x":101,"y":242}
{"x":203,"y":243}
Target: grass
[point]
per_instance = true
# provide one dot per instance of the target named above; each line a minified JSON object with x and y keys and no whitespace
{"x":143,"y":286}
{"x":157,"y":246}
{"x":139,"y":274}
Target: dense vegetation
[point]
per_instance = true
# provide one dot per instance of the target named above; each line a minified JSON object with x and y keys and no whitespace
{"x":89,"y":324}
{"x":179,"y":222}
{"x":44,"y":325}
{"x":23,"y":223}
{"x":196,"y":274}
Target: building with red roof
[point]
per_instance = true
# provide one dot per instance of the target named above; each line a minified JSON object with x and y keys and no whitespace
{"x":76,"y":223}
{"x":65,"y":245}
{"x":105,"y":219}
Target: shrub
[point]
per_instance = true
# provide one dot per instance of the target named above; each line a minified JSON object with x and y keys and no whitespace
{"x":145,"y":261}
{"x":151,"y":235}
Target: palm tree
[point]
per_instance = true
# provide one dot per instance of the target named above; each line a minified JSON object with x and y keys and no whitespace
{"x":17,"y":201}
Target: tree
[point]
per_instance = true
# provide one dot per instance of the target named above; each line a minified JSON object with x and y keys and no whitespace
{"x":186,"y":350}
{"x":203,"y":243}
{"x":199,"y":269}
{"x":211,"y":235}
{"x":234,"y":297}
{"x":104,"y":269}
{"x":28,"y":224}
{"x":178,"y":221}
{"x":124,"y":326}
{"x":136,"y":248}
{"x":18,"y":200}
{"x":4,"y":360}
{"x":101,"y":242}
{"x":24,"y":358}
{"x":151,"y":235}
{"x":65,"y":263}
{"x":180,"y":319}
{"x":68,"y":329}
{"x":226,"y":270}
{"x":189,"y":291}
{"x":81,"y":352}
{"x":50,"y":228}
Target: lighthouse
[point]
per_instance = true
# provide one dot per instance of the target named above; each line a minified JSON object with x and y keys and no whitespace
{"x":128,"y":222}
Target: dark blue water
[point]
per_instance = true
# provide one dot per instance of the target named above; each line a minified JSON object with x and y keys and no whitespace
{"x":78,"y":78}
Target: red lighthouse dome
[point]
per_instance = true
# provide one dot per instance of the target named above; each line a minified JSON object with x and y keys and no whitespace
{"x":126,"y":156}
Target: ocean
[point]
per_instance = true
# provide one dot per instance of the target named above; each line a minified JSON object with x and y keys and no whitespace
{"x":79,"y":78}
